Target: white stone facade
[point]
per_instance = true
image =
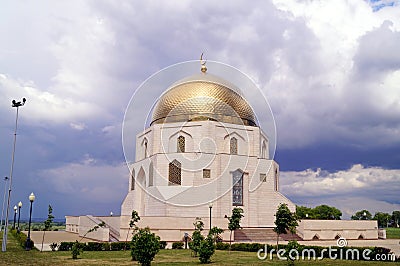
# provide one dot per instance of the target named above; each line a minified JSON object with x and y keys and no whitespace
{"x":207,"y":146}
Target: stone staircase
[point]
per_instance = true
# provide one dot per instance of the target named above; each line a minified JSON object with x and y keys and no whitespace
{"x":261,"y":235}
{"x":113,"y":233}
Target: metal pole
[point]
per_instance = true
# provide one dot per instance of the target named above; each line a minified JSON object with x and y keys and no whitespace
{"x":210,"y":217}
{"x":15,"y":218}
{"x":19,"y":216}
{"x":14,"y":104}
{"x":28,"y":239}
{"x":4,"y":201}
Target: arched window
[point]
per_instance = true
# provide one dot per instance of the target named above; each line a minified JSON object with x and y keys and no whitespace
{"x":264,"y":150}
{"x":133,"y":179}
{"x":233,"y":146}
{"x":237,"y":188}
{"x":181,"y":144}
{"x":174,"y":173}
{"x":145,"y":149}
{"x":276,"y":180}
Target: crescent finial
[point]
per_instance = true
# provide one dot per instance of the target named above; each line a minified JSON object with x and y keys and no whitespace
{"x":203,"y":64}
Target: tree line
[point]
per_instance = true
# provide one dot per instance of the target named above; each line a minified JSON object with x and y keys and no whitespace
{"x":325,"y":212}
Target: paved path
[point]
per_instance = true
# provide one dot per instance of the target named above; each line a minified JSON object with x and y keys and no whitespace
{"x":54,"y":237}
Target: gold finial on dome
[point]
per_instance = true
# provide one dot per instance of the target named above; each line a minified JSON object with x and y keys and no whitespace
{"x":203,"y":64}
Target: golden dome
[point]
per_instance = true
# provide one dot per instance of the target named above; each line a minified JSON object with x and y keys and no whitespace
{"x":203,"y":97}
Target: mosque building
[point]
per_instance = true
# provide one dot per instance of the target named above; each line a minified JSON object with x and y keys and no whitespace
{"x":202,"y":155}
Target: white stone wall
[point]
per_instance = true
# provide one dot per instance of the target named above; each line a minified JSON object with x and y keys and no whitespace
{"x":207,"y":146}
{"x":331,"y":229}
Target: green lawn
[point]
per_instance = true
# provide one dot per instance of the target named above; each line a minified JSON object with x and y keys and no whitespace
{"x":15,"y":255}
{"x":392,"y":232}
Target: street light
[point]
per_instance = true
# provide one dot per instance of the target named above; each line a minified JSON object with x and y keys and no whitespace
{"x":17,"y":105}
{"x":15,"y":215}
{"x":210,"y":205}
{"x":19,"y":214}
{"x":4,"y":201}
{"x":28,"y":239}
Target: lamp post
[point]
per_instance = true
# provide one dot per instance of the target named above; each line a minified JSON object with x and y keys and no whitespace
{"x":16,"y":105}
{"x":210,"y":205}
{"x":19,"y":214}
{"x":28,"y":239}
{"x":4,"y":201}
{"x":15,"y":215}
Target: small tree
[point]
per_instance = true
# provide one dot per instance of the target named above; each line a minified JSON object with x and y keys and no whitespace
{"x":206,"y":249}
{"x":215,"y":233}
{"x":76,"y":247}
{"x":132,"y":224}
{"x":197,"y":237}
{"x":145,"y":246}
{"x":234,"y":222}
{"x":47,"y":224}
{"x":285,"y":221}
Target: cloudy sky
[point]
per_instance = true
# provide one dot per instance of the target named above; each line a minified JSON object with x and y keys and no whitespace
{"x":330,"y":71}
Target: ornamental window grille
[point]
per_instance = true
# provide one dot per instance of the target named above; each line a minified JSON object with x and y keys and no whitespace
{"x":237,"y":189}
{"x":233,"y":146}
{"x":263,"y":178}
{"x":174,"y":173}
{"x":181,"y":144}
{"x":206,"y":173}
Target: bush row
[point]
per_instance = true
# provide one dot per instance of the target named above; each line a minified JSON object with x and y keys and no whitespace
{"x":21,"y":238}
{"x":102,"y":246}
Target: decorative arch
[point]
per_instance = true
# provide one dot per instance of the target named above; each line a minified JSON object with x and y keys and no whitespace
{"x":133,"y":179}
{"x":338,"y":236}
{"x":174,"y":173}
{"x":181,"y":144}
{"x":361,"y":236}
{"x":141,"y":177}
{"x":145,"y":147}
{"x":316,"y":237}
{"x":264,"y":150}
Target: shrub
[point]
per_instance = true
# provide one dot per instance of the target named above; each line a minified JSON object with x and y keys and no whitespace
{"x":194,"y":245}
{"x":76,"y":250}
{"x":116,"y":246}
{"x":206,"y":250}
{"x":177,"y":245}
{"x":222,"y":246}
{"x":53,"y":246}
{"x":163,"y":244}
{"x":65,"y":246}
{"x":145,"y":246}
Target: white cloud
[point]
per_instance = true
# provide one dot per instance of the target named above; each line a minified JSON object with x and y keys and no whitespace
{"x":347,"y":188}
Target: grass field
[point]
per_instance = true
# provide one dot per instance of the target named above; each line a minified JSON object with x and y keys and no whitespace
{"x":15,"y":255}
{"x":392,"y":233}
